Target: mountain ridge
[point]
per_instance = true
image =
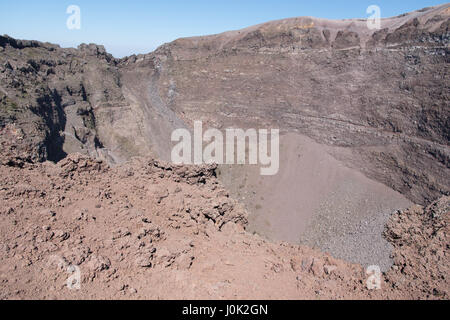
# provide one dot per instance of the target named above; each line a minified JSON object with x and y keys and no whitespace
{"x":172,"y":74}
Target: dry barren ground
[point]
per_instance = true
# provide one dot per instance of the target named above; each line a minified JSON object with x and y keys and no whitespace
{"x":149,"y":230}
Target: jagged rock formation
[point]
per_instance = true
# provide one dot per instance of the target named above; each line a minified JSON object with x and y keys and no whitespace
{"x":73,"y":100}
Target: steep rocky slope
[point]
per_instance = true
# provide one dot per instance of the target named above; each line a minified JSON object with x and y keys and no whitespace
{"x":379,"y":97}
{"x":376,"y":100}
{"x":48,"y":95}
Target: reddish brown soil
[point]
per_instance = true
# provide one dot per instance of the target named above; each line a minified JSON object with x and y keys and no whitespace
{"x":149,"y":230}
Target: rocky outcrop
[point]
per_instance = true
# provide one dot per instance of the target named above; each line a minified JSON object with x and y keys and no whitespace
{"x":346,"y":40}
{"x":137,"y":227}
{"x":378,"y":97}
{"x":66,"y":101}
{"x":49,"y":93}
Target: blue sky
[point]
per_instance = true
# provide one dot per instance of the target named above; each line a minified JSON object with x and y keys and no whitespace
{"x":139,"y":26}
